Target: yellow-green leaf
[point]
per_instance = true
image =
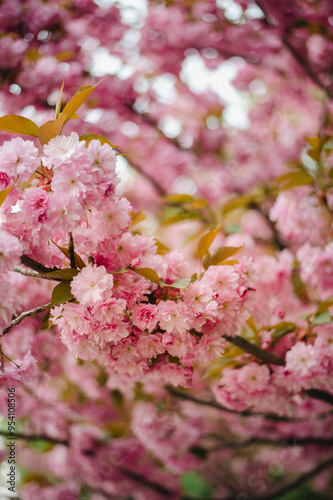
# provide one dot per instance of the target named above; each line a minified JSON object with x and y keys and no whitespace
{"x":294,"y":179}
{"x":61,"y":274}
{"x":180,"y":283}
{"x":5,"y":193}
{"x":15,"y":124}
{"x":177,"y":199}
{"x":149,"y":274}
{"x":137,"y":217}
{"x":239,"y":202}
{"x":61,"y":293}
{"x":77,"y":100}
{"x":206,"y":240}
{"x":161,"y":248}
{"x":180,"y":216}
{"x":93,"y":137}
{"x":78,"y":261}
{"x":51,"y":129}
{"x":324,"y":305}
{"x":220,"y":255}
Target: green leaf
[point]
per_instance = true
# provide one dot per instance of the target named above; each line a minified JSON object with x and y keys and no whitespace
{"x":61,"y":293}
{"x":15,"y":124}
{"x":205,"y":242}
{"x":195,"y":486}
{"x":61,"y":274}
{"x":149,"y":274}
{"x":5,"y":193}
{"x":180,"y":283}
{"x":93,"y":137}
{"x":180,"y":216}
{"x":137,"y":217}
{"x":324,"y":305}
{"x":77,"y":100}
{"x":322,"y":318}
{"x":294,"y":179}
{"x":51,"y":129}
{"x":161,"y":248}
{"x":78,"y":261}
{"x":239,"y":202}
{"x":220,"y":255}
{"x":282,"y":329}
{"x":177,"y":199}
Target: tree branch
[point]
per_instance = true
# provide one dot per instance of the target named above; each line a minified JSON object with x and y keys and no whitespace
{"x":27,"y":437}
{"x":24,"y":315}
{"x":245,"y":413}
{"x":266,"y":356}
{"x":288,"y":441}
{"x":34,"y":274}
{"x":300,"y":480}
{"x":36,"y":266}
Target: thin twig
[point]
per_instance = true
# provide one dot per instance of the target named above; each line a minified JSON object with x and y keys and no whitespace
{"x":25,"y":314}
{"x":288,"y":441}
{"x":213,"y":404}
{"x":71,"y":251}
{"x":300,"y":480}
{"x":27,"y":437}
{"x":34,"y":274}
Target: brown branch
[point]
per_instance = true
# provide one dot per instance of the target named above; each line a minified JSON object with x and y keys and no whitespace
{"x":321,"y":395}
{"x":24,"y":315}
{"x":266,"y":356}
{"x":27,"y":437}
{"x":36,"y":266}
{"x":34,"y":274}
{"x":289,"y":441}
{"x":245,"y":413}
{"x":300,"y":480}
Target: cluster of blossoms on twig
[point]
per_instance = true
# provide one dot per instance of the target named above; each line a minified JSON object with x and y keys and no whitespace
{"x":115,"y":312}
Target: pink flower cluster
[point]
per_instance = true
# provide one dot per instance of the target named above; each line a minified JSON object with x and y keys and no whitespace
{"x":120,"y":318}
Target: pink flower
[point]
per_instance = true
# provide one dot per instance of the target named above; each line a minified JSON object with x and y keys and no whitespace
{"x":302,"y":360}
{"x":253,"y":377}
{"x":92,"y":285}
{"x":173,"y":317}
{"x":10,"y":251}
{"x":19,"y":157}
{"x":64,"y":212}
{"x":144,"y":316}
{"x":103,"y":160}
{"x":61,"y":148}
{"x":116,"y":215}
{"x":110,"y":311}
{"x":149,"y":346}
